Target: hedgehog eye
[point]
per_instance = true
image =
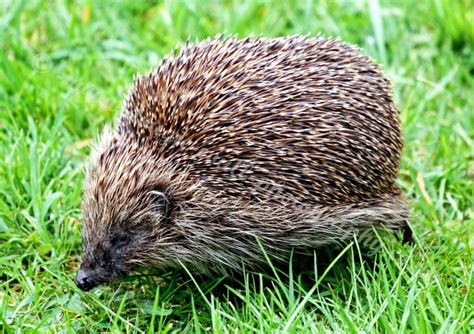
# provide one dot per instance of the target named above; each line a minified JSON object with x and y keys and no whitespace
{"x":120,"y":240}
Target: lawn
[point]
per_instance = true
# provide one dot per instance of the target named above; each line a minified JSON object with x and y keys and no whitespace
{"x":64,"y":70}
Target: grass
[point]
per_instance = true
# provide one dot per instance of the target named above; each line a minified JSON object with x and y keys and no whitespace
{"x":64,"y":69}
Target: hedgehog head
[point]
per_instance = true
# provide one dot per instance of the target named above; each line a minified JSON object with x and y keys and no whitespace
{"x":127,"y":210}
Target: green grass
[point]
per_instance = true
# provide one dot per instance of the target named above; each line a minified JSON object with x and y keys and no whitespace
{"x":64,"y":70}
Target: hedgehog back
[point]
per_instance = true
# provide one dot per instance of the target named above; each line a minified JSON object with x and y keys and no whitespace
{"x":306,"y":119}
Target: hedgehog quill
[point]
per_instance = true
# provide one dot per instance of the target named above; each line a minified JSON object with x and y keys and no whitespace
{"x":292,"y":141}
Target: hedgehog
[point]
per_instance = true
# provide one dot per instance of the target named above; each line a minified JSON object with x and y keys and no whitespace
{"x":233,"y":152}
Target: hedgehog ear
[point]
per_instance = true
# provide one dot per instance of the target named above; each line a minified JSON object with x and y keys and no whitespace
{"x":159,"y":202}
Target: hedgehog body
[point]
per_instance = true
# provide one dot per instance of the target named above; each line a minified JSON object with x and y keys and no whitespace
{"x":292,"y":141}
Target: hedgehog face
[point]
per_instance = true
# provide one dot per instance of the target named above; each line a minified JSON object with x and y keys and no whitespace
{"x":126,"y":216}
{"x":118,"y":242}
{"x":105,"y":259}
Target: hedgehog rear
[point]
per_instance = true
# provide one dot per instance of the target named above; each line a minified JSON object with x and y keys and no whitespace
{"x":294,"y":141}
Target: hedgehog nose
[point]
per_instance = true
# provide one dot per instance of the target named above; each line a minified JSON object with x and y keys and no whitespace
{"x":84,"y":280}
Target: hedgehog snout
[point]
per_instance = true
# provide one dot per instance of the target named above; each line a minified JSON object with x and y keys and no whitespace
{"x":88,"y":279}
{"x":84,"y":280}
